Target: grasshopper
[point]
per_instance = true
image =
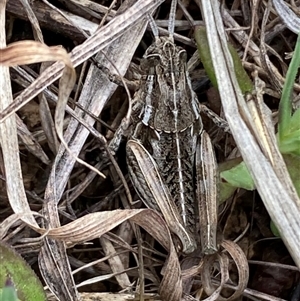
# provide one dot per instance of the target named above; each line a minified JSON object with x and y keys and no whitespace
{"x":170,"y":158}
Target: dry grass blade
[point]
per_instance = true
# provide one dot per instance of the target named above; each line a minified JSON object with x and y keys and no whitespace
{"x":9,"y":141}
{"x":16,"y":217}
{"x":281,"y":201}
{"x":115,"y":263}
{"x":111,"y":297}
{"x":241,"y":264}
{"x":52,"y":270}
{"x":264,"y":130}
{"x":44,"y":109}
{"x":53,"y":261}
{"x":33,"y":20}
{"x":53,"y":18}
{"x":30,"y":142}
{"x":208,"y":262}
{"x":66,"y":84}
{"x":116,"y":275}
{"x":28,"y":52}
{"x":91,"y":46}
{"x":96,"y":224}
{"x":93,"y":98}
{"x":290,"y":19}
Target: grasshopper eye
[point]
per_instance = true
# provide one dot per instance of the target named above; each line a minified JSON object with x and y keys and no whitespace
{"x":149,"y":62}
{"x":182,"y":56}
{"x":153,"y":60}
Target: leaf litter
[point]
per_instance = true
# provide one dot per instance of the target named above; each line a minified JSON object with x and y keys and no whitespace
{"x":67,"y":188}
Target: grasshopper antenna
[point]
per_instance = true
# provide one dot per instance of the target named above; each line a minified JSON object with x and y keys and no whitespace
{"x":154,"y":27}
{"x":171,"y":24}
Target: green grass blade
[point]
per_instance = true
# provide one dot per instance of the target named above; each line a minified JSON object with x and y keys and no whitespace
{"x":285,"y":105}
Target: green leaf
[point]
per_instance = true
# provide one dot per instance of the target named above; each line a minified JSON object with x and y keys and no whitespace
{"x":274,"y":229}
{"x":242,"y":77}
{"x":293,"y":165}
{"x":291,"y":144}
{"x":8,"y":293}
{"x":294,"y":124}
{"x":13,"y":266}
{"x":204,"y":53}
{"x":226,"y":191}
{"x":238,"y":177}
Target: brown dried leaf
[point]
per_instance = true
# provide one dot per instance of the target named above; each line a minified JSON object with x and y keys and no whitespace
{"x":269,"y":185}
{"x":52,"y":270}
{"x":30,"y":52}
{"x":96,"y":224}
{"x":9,"y":142}
{"x":26,"y":52}
{"x":115,"y":263}
{"x":81,"y":53}
{"x":241,"y":263}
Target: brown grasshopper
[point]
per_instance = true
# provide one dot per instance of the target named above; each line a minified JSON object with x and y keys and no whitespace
{"x":169,"y":149}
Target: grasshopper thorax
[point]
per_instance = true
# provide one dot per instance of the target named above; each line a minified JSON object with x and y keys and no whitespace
{"x":170,"y":103}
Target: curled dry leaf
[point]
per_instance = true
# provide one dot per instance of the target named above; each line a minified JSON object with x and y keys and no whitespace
{"x":96,"y":224}
{"x":81,"y":53}
{"x":29,"y":52}
{"x":13,"y":218}
{"x":241,"y":263}
{"x":274,"y":193}
{"x":208,"y":262}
